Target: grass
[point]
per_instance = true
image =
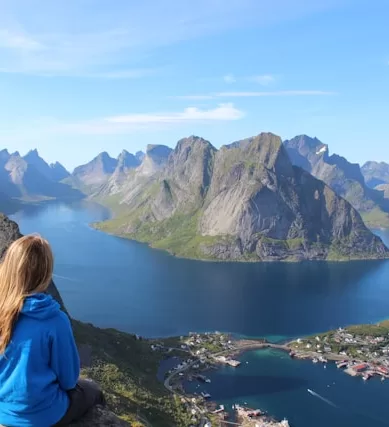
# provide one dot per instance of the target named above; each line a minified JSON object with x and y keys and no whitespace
{"x":126,"y":369}
{"x":376,"y":218}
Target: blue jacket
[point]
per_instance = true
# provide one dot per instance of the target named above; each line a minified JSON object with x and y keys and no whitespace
{"x":40,"y":363}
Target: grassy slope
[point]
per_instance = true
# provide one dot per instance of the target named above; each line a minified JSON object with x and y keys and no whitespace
{"x":126,"y":369}
{"x":376,"y":218}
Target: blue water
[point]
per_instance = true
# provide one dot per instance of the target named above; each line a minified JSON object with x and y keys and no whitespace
{"x":113,"y":282}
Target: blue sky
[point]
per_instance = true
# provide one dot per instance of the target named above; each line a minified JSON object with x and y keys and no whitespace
{"x":81,"y":76}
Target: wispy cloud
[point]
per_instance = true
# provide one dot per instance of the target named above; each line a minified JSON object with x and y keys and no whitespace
{"x":229,"y":78}
{"x":191,"y":114}
{"x":273,"y":93}
{"x":73,"y":41}
{"x":18,"y":41}
{"x":128,"y":123}
{"x":264,"y":80}
{"x":257,"y":94}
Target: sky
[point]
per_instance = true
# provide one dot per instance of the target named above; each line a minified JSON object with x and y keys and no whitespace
{"x":78,"y":77}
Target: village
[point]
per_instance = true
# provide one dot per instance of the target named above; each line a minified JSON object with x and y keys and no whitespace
{"x":361,"y":350}
{"x":197,"y":354}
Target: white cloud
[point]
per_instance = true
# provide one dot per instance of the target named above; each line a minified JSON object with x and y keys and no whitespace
{"x":191,"y":114}
{"x":193,"y":97}
{"x":273,"y":93}
{"x":258,"y":94}
{"x":18,"y":41}
{"x":125,"y":124}
{"x":264,"y":80}
{"x":229,"y":78}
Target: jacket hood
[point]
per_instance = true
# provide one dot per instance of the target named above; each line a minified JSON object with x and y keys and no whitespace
{"x":40,"y":306}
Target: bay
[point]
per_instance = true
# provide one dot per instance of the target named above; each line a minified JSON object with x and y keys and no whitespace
{"x":114,"y":282}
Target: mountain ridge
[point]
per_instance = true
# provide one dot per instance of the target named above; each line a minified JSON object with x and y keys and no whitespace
{"x":245,"y":201}
{"x":345,"y":178}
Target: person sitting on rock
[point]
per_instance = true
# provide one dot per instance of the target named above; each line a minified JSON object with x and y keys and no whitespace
{"x":39,"y":361}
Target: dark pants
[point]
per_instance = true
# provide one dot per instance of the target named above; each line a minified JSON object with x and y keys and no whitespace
{"x":82,"y":398}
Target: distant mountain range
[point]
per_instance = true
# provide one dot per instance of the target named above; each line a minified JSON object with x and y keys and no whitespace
{"x":245,"y":201}
{"x":30,"y":179}
{"x":345,"y":178}
{"x":375,"y":173}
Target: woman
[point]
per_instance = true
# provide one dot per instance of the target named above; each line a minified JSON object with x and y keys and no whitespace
{"x":39,"y":362}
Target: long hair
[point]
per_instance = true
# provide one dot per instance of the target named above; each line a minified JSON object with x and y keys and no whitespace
{"x":27,"y":268}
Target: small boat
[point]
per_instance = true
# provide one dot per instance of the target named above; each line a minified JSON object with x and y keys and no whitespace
{"x":314,"y":360}
{"x":382,"y":378}
{"x":205,"y":395}
{"x":208,"y":380}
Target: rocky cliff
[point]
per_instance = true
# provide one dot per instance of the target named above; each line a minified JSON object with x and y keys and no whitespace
{"x":345,"y":178}
{"x":245,"y":201}
{"x":375,"y":173}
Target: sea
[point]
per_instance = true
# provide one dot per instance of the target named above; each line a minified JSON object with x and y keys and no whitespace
{"x":114,"y":282}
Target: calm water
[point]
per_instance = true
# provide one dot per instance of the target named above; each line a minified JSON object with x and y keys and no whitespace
{"x":113,"y":282}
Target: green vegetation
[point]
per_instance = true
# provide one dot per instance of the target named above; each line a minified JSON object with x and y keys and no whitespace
{"x":126,"y":369}
{"x":376,"y":218}
{"x":177,"y":234}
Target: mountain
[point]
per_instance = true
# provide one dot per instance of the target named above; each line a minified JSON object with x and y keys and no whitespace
{"x":89,"y":177}
{"x":58,"y":172}
{"x":20,"y":179}
{"x":140,"y":155}
{"x":54,"y":172}
{"x":245,"y":201}
{"x":343,"y":177}
{"x":376,"y":173}
{"x":155,"y":159}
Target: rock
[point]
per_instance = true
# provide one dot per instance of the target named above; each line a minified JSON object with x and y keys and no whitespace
{"x":100,"y":417}
{"x":345,"y":178}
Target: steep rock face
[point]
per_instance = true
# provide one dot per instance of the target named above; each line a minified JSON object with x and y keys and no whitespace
{"x":155,"y":159}
{"x":245,"y":201}
{"x":376,"y":173}
{"x":343,"y":177}
{"x":126,"y":162}
{"x":385,"y":189}
{"x":140,"y":155}
{"x":94,"y":174}
{"x":188,"y":173}
{"x":58,"y":172}
{"x":33,"y":158}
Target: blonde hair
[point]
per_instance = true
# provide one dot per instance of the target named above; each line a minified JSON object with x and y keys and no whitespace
{"x":27,"y":268}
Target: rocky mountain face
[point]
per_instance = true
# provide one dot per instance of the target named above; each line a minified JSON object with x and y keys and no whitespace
{"x":376,"y":173}
{"x":345,"y":178}
{"x":92,"y":175}
{"x":58,"y":172}
{"x":244,"y":201}
{"x":54,"y":172}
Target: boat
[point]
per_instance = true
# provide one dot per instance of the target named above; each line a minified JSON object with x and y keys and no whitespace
{"x":366,"y":377}
{"x":205,"y":395}
{"x":208,"y":380}
{"x":382,"y":378}
{"x":314,"y":360}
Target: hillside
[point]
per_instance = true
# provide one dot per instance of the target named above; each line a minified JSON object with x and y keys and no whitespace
{"x":345,"y":178}
{"x":245,"y":201}
{"x":123,"y":365}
